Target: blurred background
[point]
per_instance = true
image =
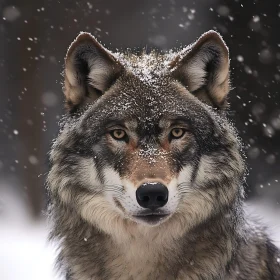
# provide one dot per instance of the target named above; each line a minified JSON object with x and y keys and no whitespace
{"x":34,"y":37}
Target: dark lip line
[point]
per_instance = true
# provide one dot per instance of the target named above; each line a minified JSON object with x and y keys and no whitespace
{"x":152,"y":214}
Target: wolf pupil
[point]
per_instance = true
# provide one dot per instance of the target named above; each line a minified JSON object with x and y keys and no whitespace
{"x":177,"y":132}
{"x":118,"y":134}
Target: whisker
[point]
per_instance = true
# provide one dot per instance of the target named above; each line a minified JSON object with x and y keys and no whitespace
{"x":183,"y":190}
{"x":115,"y":186}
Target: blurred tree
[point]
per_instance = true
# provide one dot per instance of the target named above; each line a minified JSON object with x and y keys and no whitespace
{"x":30,"y":120}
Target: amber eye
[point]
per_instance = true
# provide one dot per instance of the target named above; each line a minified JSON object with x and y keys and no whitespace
{"x":118,"y":134}
{"x":177,"y":133}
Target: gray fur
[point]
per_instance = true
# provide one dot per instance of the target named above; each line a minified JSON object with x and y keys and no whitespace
{"x":93,"y":178}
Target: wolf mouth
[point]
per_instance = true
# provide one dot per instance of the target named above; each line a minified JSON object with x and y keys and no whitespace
{"x":151,"y":218}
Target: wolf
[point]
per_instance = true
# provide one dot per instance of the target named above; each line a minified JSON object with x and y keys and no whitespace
{"x":147,"y":172}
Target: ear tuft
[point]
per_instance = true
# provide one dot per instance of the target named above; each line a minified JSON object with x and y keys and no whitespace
{"x":90,"y":70}
{"x":203,"y":68}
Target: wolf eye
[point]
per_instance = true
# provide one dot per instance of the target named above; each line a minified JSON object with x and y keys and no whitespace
{"x":118,"y":134}
{"x":177,"y":133}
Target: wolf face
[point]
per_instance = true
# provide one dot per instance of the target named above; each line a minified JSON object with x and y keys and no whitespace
{"x":145,"y":145}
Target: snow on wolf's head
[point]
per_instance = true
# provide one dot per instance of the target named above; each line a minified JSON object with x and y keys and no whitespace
{"x":145,"y":144}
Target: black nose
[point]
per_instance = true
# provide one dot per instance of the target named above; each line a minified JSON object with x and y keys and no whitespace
{"x":152,"y":195}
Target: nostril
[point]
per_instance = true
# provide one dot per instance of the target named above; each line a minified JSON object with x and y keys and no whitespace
{"x":160,"y":198}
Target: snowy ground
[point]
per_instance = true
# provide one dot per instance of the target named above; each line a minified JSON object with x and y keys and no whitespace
{"x":268,"y":214}
{"x":26,"y":255}
{"x":24,"y":250}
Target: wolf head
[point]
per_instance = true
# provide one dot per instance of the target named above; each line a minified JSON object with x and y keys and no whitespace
{"x":145,"y":144}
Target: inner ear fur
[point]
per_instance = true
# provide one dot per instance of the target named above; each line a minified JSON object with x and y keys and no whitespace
{"x":90,"y":70}
{"x":203,"y":68}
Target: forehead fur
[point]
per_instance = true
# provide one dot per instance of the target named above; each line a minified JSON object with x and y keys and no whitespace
{"x":149,"y":68}
{"x":132,"y":99}
{"x":147,"y":87}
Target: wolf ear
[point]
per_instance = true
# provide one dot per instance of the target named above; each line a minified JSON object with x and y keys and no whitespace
{"x":89,"y":71}
{"x":203,"y":68}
